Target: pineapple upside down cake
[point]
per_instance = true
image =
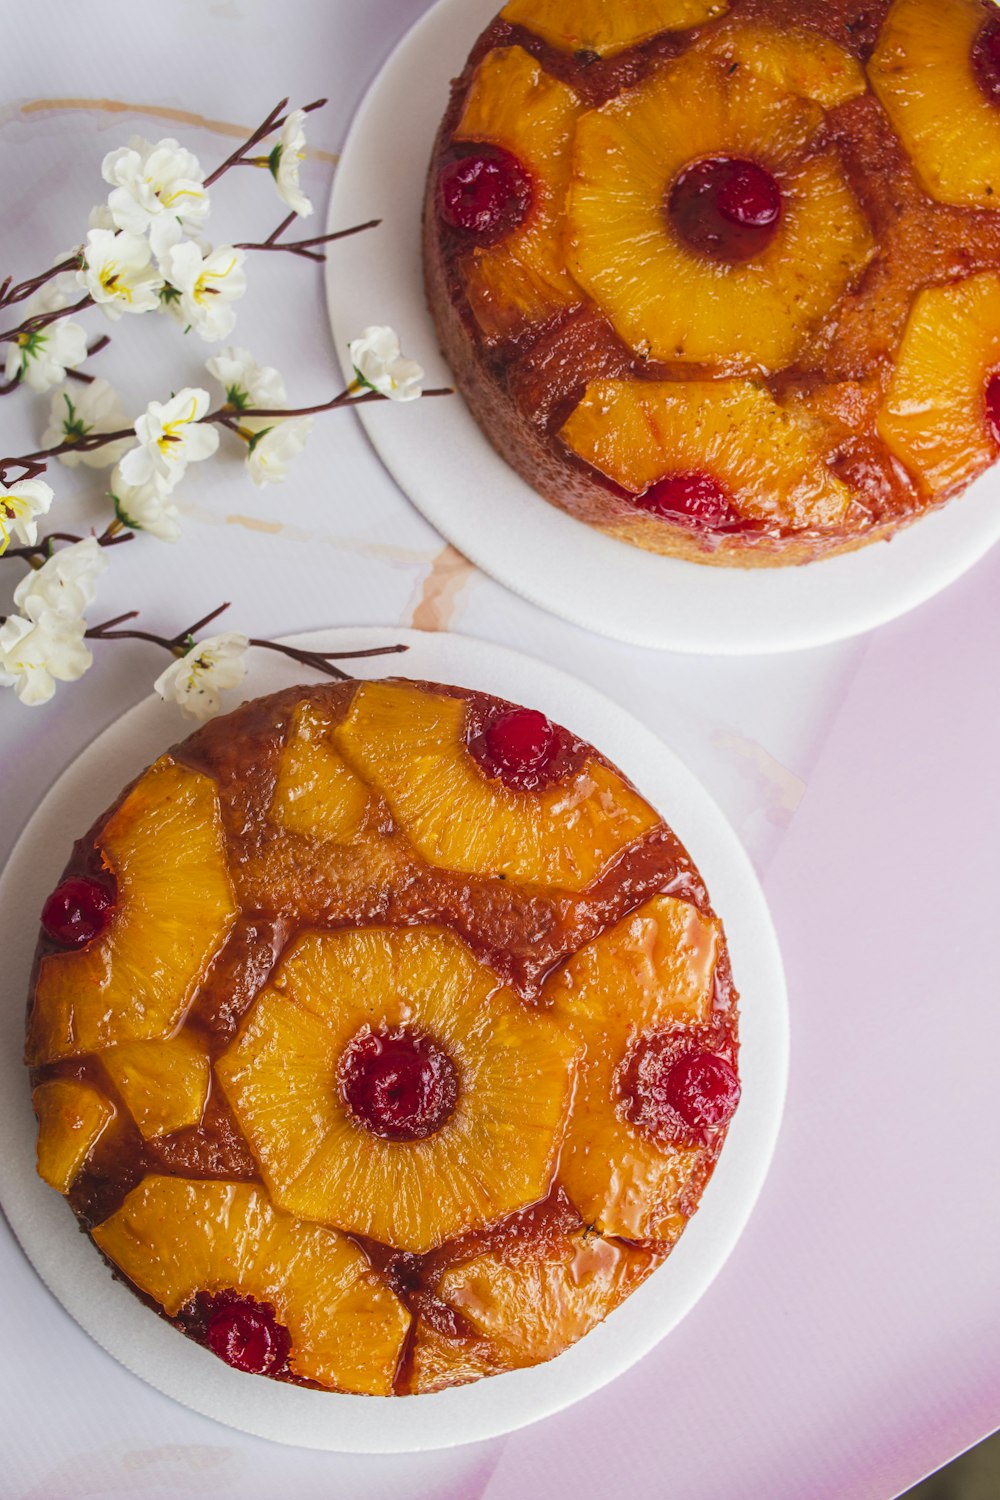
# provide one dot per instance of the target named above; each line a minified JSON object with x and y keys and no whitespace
{"x":382,"y":1037}
{"x":722,"y":277}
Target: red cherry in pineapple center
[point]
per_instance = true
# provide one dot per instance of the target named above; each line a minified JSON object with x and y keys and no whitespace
{"x":690,"y":499}
{"x":993,"y":406}
{"x":78,"y":911}
{"x":401,"y":1085}
{"x":518,"y":747}
{"x":486,"y":194}
{"x":986,"y":59}
{"x":726,"y":207}
{"x":666,"y":1086}
{"x":246,"y":1334}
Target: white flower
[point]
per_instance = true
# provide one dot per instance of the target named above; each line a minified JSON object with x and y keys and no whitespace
{"x":64,"y":585}
{"x":284,"y":163}
{"x":210,"y":667}
{"x":273,"y":448}
{"x":144,"y":507}
{"x":171,"y":435}
{"x":42,"y":356}
{"x":36,"y":654}
{"x":100,"y":217}
{"x":119,"y":274}
{"x":21,"y":504}
{"x":79,"y":413}
{"x":157,"y":188}
{"x":378,"y":364}
{"x":246,"y":383}
{"x":207,"y":284}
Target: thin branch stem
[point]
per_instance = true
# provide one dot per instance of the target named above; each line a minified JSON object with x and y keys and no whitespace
{"x":42,"y":320}
{"x":9,"y":294}
{"x":43,"y":547}
{"x":273,"y":122}
{"x":305,"y":247}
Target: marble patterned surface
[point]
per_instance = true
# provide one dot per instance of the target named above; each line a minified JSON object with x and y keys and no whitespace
{"x":851,"y":1343}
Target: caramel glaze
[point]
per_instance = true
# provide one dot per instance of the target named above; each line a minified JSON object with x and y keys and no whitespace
{"x":285,"y":884}
{"x":522,"y":389}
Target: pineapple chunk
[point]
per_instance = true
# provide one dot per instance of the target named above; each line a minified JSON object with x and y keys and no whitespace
{"x":164,"y":1084}
{"x":316,"y":794}
{"x":796,"y":62}
{"x":496,"y":1152}
{"x":922,"y":73}
{"x":173,"y":911}
{"x":666,"y":300}
{"x":534,"y":1308}
{"x":515,"y":104}
{"x":653,"y":970}
{"x":439,"y":1361}
{"x":72,"y":1117}
{"x":596,"y":26}
{"x":411,"y":745}
{"x":934,"y":417}
{"x":637,"y":432}
{"x":174,"y":1238}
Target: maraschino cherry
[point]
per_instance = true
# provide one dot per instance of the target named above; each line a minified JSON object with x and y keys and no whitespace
{"x":401,"y":1085}
{"x":726,"y":207}
{"x":518,"y":747}
{"x":986,"y":58}
{"x":78,"y":911}
{"x":993,"y":406}
{"x":246,"y":1334}
{"x":690,"y":499}
{"x":669,"y":1088}
{"x":485,"y":194}
{"x":703,"y":1089}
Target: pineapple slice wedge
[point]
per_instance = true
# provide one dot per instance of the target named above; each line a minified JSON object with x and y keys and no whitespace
{"x":411,"y":745}
{"x":173,"y":911}
{"x":438,"y":1361}
{"x":497,"y":1151}
{"x":534,"y":1308}
{"x":164,"y":1084}
{"x":316,"y":794}
{"x":922,"y":72}
{"x":637,"y":432}
{"x":72,"y":1117}
{"x":515,"y":104}
{"x":174,"y":1237}
{"x":595,"y":26}
{"x":667,"y":301}
{"x":934,"y":417}
{"x":653,"y":970}
{"x":796,"y":62}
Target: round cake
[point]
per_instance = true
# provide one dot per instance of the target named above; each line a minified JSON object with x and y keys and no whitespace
{"x":722,"y":277}
{"x":382,"y":1037}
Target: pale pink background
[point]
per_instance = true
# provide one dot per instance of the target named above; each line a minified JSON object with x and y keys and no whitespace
{"x":853,"y":1341}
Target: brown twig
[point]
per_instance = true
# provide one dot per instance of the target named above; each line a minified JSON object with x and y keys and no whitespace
{"x":273,"y":122}
{"x":43,"y":547}
{"x":305,"y":248}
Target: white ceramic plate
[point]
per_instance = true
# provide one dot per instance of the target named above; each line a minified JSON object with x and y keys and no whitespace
{"x":74,"y":1272}
{"x":440,"y":459}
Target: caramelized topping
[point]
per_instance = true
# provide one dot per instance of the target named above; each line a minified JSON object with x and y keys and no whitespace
{"x":993,"y":407}
{"x":986,"y":58}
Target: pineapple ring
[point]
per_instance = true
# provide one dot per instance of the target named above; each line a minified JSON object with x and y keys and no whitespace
{"x":167,"y":850}
{"x":595,"y":26}
{"x":922,"y":73}
{"x":797,"y":62}
{"x":497,"y":1151}
{"x":666,"y":301}
{"x":513,"y":103}
{"x":412,"y":746}
{"x":316,"y":794}
{"x":655,"y":970}
{"x":174,"y":1238}
{"x":637,"y":432}
{"x":934,"y":417}
{"x":72,"y":1117}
